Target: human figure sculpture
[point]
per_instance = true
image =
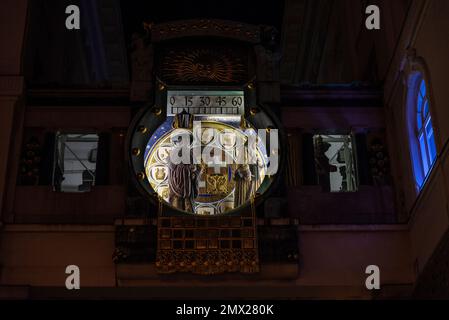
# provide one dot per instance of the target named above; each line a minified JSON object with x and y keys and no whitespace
{"x":183,"y":177}
{"x":243,"y":184}
{"x":183,"y":185}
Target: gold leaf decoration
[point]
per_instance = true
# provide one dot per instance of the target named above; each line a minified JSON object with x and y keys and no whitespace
{"x":202,"y":65}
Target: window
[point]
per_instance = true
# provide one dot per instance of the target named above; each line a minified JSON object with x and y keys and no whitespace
{"x":334,"y":163}
{"x":75,"y":162}
{"x":424,"y":151}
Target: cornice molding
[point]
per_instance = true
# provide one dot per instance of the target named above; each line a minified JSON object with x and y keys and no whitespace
{"x":331,"y":96}
{"x":204,"y":27}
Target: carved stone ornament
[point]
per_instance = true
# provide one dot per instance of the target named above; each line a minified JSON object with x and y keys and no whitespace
{"x":207,"y":262}
{"x":197,"y":64}
{"x":205,"y":27}
{"x":410,"y":64}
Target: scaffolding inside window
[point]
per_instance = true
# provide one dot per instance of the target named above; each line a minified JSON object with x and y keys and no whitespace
{"x":334,"y":163}
{"x":75,"y":162}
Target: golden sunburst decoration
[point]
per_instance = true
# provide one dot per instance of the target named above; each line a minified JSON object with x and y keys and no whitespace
{"x":202,"y":65}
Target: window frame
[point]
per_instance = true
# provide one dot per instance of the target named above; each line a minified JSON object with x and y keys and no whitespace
{"x":354,"y":159}
{"x":59,"y":133}
{"x":419,"y":120}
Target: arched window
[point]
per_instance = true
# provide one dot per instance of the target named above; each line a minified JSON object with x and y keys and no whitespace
{"x":422,"y":138}
{"x":425,"y":129}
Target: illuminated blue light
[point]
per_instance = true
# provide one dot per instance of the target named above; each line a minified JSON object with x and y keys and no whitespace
{"x":422,"y":138}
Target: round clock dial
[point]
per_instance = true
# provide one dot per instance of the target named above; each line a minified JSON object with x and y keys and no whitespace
{"x":221,"y":168}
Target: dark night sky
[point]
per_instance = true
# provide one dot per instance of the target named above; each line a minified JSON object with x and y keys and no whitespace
{"x":249,"y":11}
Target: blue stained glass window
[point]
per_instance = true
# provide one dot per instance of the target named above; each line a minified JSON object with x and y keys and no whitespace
{"x":425,"y":133}
{"x":431,"y":140}
{"x":426,"y":109}
{"x":425,"y":161}
{"x":420,"y":101}
{"x":419,"y":121}
{"x":423,"y":89}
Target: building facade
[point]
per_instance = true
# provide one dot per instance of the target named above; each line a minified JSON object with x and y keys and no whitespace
{"x":360,"y":116}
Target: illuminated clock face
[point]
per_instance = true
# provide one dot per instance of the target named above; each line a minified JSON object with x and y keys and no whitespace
{"x":205,"y":151}
{"x":230,"y":166}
